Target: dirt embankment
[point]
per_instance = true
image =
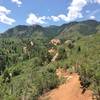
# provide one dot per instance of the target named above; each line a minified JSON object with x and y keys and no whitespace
{"x":69,"y":91}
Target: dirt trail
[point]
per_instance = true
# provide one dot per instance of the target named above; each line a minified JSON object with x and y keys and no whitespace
{"x":69,"y":91}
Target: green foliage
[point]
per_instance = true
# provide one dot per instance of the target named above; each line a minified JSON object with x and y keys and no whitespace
{"x":62,"y":53}
{"x":88,"y":58}
{"x":26,"y":74}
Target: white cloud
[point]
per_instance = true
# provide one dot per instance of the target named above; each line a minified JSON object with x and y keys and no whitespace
{"x":75,"y":8}
{"x":97,"y":1}
{"x":74,"y":12}
{"x":55,"y":18}
{"x":3,"y":16}
{"x":63,"y":17}
{"x":92,"y":17}
{"x":18,"y":2}
{"x":4,"y":10}
{"x":33,"y":19}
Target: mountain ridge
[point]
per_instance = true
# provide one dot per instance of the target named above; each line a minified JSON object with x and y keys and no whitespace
{"x":86,"y":27}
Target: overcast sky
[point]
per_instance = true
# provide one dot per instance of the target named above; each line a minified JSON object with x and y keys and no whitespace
{"x":46,"y":12}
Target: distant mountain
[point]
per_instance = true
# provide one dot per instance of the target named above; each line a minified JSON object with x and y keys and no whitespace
{"x":77,"y":29}
{"x":70,"y":30}
{"x":35,"y":31}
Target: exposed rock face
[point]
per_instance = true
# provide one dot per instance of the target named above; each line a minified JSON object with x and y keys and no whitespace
{"x":25,"y":50}
{"x":55,"y":57}
{"x":31,"y":43}
{"x":51,"y":51}
{"x":68,"y":42}
{"x":55,"y":41}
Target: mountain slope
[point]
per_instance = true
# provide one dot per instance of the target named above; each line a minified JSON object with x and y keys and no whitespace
{"x":79,"y":29}
{"x":70,"y":30}
{"x":35,"y":31}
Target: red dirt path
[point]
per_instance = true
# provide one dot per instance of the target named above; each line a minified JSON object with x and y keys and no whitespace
{"x":69,"y":91}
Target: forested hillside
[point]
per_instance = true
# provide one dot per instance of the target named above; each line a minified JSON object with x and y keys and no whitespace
{"x":30,"y":56}
{"x":64,"y":31}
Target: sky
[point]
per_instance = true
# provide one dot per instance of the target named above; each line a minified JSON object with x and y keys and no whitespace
{"x":46,"y":12}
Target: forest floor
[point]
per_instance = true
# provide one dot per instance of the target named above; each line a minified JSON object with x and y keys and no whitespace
{"x":70,"y":90}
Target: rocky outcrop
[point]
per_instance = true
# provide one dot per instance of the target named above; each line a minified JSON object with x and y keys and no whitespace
{"x":55,"y":41}
{"x":55,"y":57}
